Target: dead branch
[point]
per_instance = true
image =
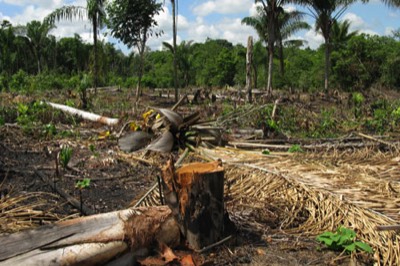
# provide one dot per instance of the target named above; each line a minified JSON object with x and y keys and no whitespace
{"x":85,"y":115}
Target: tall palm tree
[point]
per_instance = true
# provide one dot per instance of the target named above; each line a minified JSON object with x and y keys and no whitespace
{"x":95,"y":12}
{"x":289,"y":22}
{"x":260,"y":23}
{"x":273,"y":25}
{"x":35,"y":34}
{"x":271,"y":10}
{"x":326,"y":12}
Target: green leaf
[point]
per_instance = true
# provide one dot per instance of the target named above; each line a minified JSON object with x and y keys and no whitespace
{"x":363,"y":246}
{"x":350,"y":248}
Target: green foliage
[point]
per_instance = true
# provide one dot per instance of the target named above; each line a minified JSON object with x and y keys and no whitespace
{"x":65,"y":156}
{"x":83,"y":184}
{"x":358,"y":100}
{"x":343,"y":240}
{"x":92,"y":148}
{"x":132,"y":21}
{"x":19,"y":81}
{"x":2,"y":120}
{"x":49,"y":130}
{"x":295,"y":148}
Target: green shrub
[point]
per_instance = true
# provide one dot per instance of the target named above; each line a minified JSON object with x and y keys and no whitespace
{"x":20,"y":81}
{"x":343,"y":240}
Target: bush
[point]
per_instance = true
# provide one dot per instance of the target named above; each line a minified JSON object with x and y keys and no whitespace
{"x":19,"y":81}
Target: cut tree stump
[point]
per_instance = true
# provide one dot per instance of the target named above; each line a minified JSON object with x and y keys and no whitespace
{"x":195,"y":194}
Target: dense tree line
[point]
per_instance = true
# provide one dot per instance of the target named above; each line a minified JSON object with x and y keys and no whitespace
{"x":31,"y":58}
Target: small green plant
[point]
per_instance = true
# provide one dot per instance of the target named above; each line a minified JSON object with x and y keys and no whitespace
{"x":266,"y":152}
{"x":2,"y":120}
{"x":343,"y":239}
{"x":358,"y":100}
{"x":49,"y":130}
{"x":295,"y":148}
{"x":65,"y":156}
{"x":81,"y":185}
{"x":92,"y":148}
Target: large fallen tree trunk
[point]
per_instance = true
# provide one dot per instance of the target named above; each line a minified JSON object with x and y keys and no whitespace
{"x":195,"y":193}
{"x":90,"y":240}
{"x":85,"y":115}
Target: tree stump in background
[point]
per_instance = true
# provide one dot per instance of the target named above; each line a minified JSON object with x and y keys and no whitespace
{"x":195,"y":194}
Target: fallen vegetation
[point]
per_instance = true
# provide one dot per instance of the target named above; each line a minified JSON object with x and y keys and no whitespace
{"x":294,"y":169}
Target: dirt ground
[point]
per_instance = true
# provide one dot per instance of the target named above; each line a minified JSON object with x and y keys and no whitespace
{"x":28,"y":164}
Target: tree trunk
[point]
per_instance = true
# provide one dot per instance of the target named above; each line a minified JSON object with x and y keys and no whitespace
{"x":195,"y":195}
{"x":281,"y":59}
{"x":270,"y":66}
{"x":174,"y":46}
{"x":95,"y":71}
{"x":249,"y":62}
{"x":142,"y":47}
{"x":84,"y":114}
{"x":90,"y":240}
{"x":327,"y":63}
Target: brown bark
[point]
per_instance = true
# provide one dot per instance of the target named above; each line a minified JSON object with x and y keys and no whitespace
{"x":194,"y":192}
{"x":249,"y":62}
{"x":90,"y":240}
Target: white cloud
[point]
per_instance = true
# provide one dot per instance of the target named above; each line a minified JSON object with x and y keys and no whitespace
{"x":2,"y":17}
{"x":222,"y":7}
{"x":44,"y":3}
{"x":314,"y":39}
{"x":358,"y":24}
{"x":389,"y":31}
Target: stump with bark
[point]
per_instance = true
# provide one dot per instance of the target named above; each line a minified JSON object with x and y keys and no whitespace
{"x":195,"y":193}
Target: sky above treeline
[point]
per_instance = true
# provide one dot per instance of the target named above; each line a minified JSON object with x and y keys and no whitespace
{"x":202,"y":19}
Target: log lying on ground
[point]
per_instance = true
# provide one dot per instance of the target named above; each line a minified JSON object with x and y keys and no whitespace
{"x":85,"y":115}
{"x":195,"y":193}
{"x":90,"y":240}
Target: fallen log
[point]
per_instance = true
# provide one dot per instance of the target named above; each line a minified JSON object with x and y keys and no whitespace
{"x":195,"y":193}
{"x":90,"y":240}
{"x":85,"y":115}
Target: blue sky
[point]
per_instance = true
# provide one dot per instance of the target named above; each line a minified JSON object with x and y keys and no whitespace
{"x":199,"y":19}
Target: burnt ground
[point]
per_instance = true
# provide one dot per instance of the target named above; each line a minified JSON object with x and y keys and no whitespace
{"x":28,"y":164}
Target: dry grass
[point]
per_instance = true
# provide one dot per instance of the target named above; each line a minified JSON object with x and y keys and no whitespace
{"x":307,"y":194}
{"x":23,"y":211}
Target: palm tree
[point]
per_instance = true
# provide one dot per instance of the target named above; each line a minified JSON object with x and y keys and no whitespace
{"x":273,"y":25}
{"x":271,"y":11}
{"x":326,"y":12}
{"x":35,"y":35}
{"x":95,"y":11}
{"x":340,"y":34}
{"x":288,"y":24}
{"x":183,"y":55}
{"x":260,"y":23}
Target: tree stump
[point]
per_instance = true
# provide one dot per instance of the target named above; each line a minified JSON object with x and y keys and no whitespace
{"x":195,"y":194}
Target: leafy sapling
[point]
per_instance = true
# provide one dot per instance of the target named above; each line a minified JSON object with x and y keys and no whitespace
{"x":81,"y":185}
{"x":65,"y":156}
